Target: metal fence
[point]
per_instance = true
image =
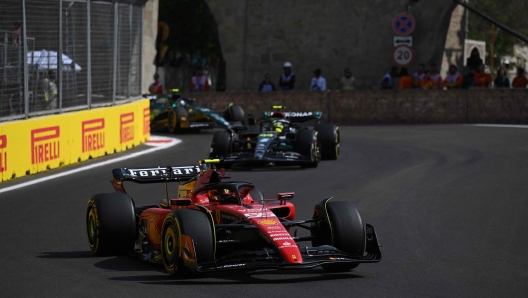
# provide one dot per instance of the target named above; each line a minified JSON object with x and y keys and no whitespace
{"x":63,"y":55}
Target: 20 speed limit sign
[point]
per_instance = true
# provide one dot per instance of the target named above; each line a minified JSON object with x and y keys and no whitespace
{"x":403,"y":55}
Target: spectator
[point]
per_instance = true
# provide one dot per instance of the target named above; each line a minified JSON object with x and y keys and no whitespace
{"x":287,"y":79}
{"x":405,"y":80}
{"x":387,"y":82}
{"x":418,"y":76}
{"x":436,"y":77}
{"x":427,"y":83}
{"x":482,"y":79}
{"x":502,"y":81}
{"x":347,"y":82}
{"x":520,"y":80}
{"x":266,"y":85}
{"x":15,"y":104}
{"x":453,"y":79}
{"x":474,"y":61}
{"x":318,"y":82}
{"x":468,"y":82}
{"x":16,"y":33}
{"x":199,"y":82}
{"x":50,"y":92}
{"x":156,"y":87}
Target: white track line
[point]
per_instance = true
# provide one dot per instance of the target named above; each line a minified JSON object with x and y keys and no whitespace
{"x":500,"y":125}
{"x":156,"y":147}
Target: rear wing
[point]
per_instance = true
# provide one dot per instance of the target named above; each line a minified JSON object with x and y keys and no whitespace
{"x":158,"y":174}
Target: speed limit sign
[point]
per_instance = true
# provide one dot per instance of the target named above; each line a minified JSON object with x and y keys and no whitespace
{"x":403,"y":55}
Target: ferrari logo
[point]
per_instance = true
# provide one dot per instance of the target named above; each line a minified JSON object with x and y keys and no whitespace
{"x":294,"y":257}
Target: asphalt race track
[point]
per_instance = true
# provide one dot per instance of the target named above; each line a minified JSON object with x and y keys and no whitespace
{"x":448,"y":202}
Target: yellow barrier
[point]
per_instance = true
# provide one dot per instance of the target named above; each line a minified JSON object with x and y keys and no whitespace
{"x":38,"y":144}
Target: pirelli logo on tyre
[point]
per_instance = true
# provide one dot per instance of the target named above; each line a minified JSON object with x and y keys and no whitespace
{"x":126,"y":126}
{"x":45,"y":144}
{"x":3,"y":153}
{"x":93,"y":135}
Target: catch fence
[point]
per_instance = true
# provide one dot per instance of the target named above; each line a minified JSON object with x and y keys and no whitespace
{"x":63,"y":55}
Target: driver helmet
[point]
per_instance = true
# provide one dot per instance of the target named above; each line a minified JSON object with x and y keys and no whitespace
{"x":277,"y":126}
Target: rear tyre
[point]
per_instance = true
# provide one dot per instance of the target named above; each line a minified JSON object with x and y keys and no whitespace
{"x":221,"y":146}
{"x":235,"y":113}
{"x":340,"y":226}
{"x":306,"y":144}
{"x":328,"y":136}
{"x":194,"y":224}
{"x":176,"y":117}
{"x":110,"y":223}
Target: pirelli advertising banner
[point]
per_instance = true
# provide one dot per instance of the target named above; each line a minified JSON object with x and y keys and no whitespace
{"x":38,"y":144}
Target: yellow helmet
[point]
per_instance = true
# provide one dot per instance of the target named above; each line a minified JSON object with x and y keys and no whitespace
{"x":277,"y":126}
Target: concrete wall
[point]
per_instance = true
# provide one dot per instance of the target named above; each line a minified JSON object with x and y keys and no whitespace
{"x":150,"y":32}
{"x":377,"y":106}
{"x":259,"y":36}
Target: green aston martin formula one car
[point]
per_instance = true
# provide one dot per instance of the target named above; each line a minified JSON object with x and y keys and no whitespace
{"x":173,"y":113}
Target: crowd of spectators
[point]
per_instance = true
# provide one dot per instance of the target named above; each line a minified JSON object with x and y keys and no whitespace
{"x":431,"y":79}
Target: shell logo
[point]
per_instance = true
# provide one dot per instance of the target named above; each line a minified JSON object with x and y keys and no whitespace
{"x":268,"y":222}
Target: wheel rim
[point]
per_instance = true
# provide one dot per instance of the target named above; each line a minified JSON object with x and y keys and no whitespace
{"x":170,"y":244}
{"x":92,"y":227}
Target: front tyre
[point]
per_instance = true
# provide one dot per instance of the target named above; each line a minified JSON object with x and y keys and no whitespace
{"x":341,"y":226}
{"x":235,"y":113}
{"x":110,"y":223}
{"x":198,"y":227}
{"x":221,"y":146}
{"x":177,"y":119}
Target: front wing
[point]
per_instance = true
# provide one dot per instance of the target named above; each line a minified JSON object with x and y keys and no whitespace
{"x":268,"y":258}
{"x":276,"y":157}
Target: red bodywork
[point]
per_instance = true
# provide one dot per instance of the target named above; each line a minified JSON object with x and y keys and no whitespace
{"x":263,"y":216}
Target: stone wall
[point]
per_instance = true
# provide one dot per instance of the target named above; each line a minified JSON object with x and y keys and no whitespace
{"x":259,"y":36}
{"x":377,"y":106}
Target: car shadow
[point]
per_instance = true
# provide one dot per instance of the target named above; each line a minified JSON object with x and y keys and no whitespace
{"x":155,"y":274}
{"x":242,"y":277}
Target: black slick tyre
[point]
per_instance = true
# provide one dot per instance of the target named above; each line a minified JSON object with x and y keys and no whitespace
{"x":328,"y":136}
{"x":342,"y":227}
{"x":306,"y":144}
{"x":110,"y":223}
{"x":221,"y":146}
{"x":175,"y":117}
{"x":192,"y":223}
{"x":235,"y":113}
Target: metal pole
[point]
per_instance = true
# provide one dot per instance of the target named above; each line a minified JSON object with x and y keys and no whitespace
{"x":59,"y":57}
{"x":89,"y":58}
{"x":115,"y":54}
{"x":5,"y":58}
{"x":129,"y":47}
{"x":141,"y":49}
{"x":24,"y":59}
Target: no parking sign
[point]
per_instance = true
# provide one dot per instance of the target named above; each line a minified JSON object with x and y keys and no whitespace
{"x":403,"y":24}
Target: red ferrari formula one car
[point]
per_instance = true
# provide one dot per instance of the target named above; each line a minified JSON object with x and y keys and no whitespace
{"x":216,"y":225}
